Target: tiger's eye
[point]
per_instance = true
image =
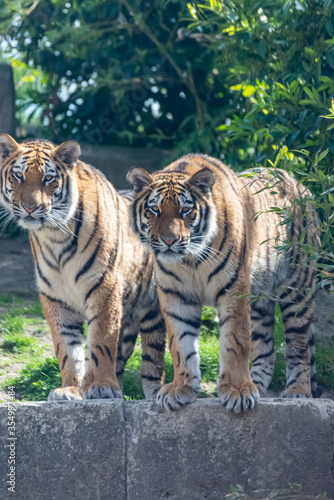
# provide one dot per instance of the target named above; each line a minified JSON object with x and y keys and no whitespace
{"x":48,"y":178}
{"x":19,"y":175}
{"x":184,"y":210}
{"x":155,"y":208}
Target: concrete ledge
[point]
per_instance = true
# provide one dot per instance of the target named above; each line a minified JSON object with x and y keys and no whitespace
{"x":116,"y":450}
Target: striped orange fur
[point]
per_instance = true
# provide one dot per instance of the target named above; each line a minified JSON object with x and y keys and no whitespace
{"x":196,"y":216}
{"x":89,"y":267}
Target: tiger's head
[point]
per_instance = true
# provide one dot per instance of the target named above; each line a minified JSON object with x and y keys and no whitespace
{"x":37,"y":183}
{"x":173,"y":212}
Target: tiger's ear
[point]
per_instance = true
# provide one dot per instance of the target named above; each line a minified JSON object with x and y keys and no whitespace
{"x":68,"y":152}
{"x":7,"y":147}
{"x":204,"y":179}
{"x":139,"y":178}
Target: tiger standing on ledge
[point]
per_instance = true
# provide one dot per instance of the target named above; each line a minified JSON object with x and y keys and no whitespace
{"x":89,"y":267}
{"x":196,"y":216}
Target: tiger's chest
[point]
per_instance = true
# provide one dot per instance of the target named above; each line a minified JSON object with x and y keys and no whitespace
{"x":59,"y":272}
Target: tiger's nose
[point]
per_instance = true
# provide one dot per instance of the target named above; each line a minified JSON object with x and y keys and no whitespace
{"x":169,"y":241}
{"x":30,"y":210}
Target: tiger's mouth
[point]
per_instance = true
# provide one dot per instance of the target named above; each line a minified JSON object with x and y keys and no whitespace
{"x":30,"y":222}
{"x":171,"y":254}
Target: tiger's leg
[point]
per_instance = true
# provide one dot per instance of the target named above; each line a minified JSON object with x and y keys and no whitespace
{"x":126,"y":344}
{"x":104,"y":322}
{"x":315,"y":388}
{"x":263,"y":352}
{"x":235,"y":387}
{"x":297,"y":313}
{"x":153,"y":337}
{"x":182,"y":324}
{"x":67,"y":336}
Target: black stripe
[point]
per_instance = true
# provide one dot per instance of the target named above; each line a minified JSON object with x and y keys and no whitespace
{"x":95,"y":358}
{"x":184,"y":334}
{"x":259,"y":310}
{"x":147,"y":357}
{"x":74,"y":326}
{"x":108,"y":352}
{"x":238,"y":344}
{"x":100,"y":349}
{"x":69,"y":334}
{"x":182,"y":297}
{"x":194,"y":323}
{"x":150,"y":315}
{"x":164,"y":270}
{"x":222,"y":264}
{"x":130,"y":338}
{"x":72,"y":247}
{"x":96,"y":223}
{"x":92,"y":319}
{"x":160,"y":325}
{"x":223,"y":290}
{"x":225,"y":320}
{"x":264,"y":355}
{"x":157,"y":346}
{"x":89,"y":262}
{"x":39,"y":271}
{"x":151,"y":378}
{"x":46,"y":260}
{"x":299,"y":329}
{"x":64,"y":361}
{"x":57,"y":301}
{"x":190,"y":355}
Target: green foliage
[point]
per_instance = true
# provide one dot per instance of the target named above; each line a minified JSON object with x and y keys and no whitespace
{"x":278,"y":59}
{"x":235,"y":79}
{"x":116,"y":71}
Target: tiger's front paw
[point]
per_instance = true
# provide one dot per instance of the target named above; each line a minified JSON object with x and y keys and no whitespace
{"x":95,"y":391}
{"x":65,"y":394}
{"x":297,"y":392}
{"x":171,"y":397}
{"x":238,"y":400}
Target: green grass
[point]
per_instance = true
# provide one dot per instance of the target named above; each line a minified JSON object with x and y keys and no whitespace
{"x":36,"y":380}
{"x":18,"y":343}
{"x":40,"y":375}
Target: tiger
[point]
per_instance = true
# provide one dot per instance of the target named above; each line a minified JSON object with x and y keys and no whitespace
{"x":196,"y":216}
{"x":89,"y":268}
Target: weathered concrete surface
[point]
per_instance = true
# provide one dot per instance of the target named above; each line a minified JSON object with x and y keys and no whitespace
{"x":66,"y":451}
{"x":7,"y":100}
{"x":101,"y":450}
{"x":198,"y":453}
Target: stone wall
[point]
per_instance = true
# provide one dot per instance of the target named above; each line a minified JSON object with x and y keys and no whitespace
{"x":7,"y":100}
{"x":101,"y":450}
{"x":116,"y":161}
